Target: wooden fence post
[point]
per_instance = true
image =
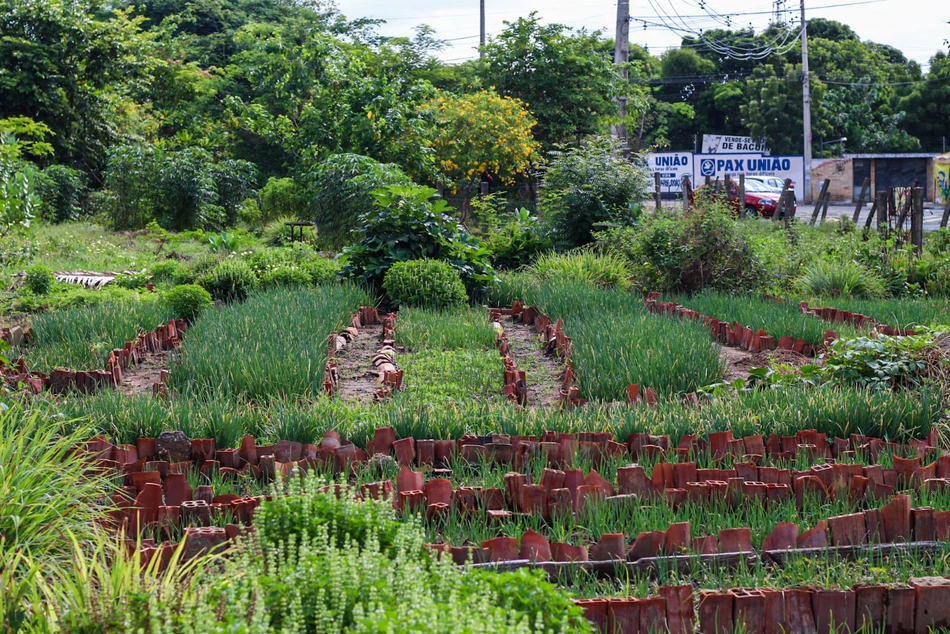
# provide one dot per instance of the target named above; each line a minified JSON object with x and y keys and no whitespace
{"x":882,"y":214}
{"x":820,"y":201}
{"x":917,"y":220}
{"x":687,"y":193}
{"x":656,"y":189}
{"x":783,"y":207}
{"x":741,"y":193}
{"x":864,"y":192}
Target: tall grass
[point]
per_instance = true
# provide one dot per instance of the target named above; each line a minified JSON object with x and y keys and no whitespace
{"x":81,"y":338}
{"x":45,"y":492}
{"x":778,"y":319}
{"x":271,"y":346}
{"x":617,"y":342}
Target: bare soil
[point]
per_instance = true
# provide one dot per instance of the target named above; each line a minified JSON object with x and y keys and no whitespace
{"x":739,"y":362}
{"x":358,"y":379}
{"x":140,"y":379}
{"x":543,"y":372}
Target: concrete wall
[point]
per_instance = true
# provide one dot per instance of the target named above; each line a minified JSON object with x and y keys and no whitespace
{"x":841,"y":173}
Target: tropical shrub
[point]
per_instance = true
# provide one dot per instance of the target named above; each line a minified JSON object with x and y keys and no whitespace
{"x":339,"y":190}
{"x":424,"y":284}
{"x":590,"y":187}
{"x":62,"y":190}
{"x":166,"y":271}
{"x":605,"y":270}
{"x":406,"y":225}
{"x":283,"y":198}
{"x":518,"y":241}
{"x":187,"y":301}
{"x":705,"y":248}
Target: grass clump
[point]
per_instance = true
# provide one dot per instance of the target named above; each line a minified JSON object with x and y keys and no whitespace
{"x":603,"y":270}
{"x":826,"y":278}
{"x":424,"y":284}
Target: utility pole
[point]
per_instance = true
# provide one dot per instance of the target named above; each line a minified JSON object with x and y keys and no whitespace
{"x":481,"y":34}
{"x":621,"y":56}
{"x":806,"y":108}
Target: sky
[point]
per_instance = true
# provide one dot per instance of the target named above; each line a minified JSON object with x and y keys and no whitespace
{"x":919,"y":28}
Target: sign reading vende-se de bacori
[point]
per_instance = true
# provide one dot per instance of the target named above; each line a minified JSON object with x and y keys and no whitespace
{"x":722,"y":144}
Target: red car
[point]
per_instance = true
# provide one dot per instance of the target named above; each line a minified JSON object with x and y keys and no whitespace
{"x":760,"y":200}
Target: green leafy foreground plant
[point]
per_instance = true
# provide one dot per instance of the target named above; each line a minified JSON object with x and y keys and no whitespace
{"x":424,"y":284}
{"x":321,"y":564}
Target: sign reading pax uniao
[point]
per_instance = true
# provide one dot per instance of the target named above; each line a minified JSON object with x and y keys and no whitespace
{"x":722,"y":144}
{"x":716,"y":166}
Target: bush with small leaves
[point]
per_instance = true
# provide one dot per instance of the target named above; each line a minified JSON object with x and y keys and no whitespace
{"x":187,"y":301}
{"x":424,"y":284}
{"x":39,"y":279}
{"x":229,"y":280}
{"x":167,"y":271}
{"x":285,"y":276}
{"x":131,"y":280}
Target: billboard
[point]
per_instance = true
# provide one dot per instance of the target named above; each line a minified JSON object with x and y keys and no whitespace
{"x":716,"y":166}
{"x":722,"y":144}
{"x":672,"y":167}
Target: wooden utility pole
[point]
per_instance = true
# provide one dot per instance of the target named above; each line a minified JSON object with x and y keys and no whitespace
{"x":621,"y":57}
{"x":481,"y":33}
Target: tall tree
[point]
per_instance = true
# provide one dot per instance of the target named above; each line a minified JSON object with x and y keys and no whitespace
{"x":72,"y":65}
{"x":566,"y":79}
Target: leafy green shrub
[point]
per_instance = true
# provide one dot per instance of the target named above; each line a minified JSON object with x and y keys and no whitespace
{"x":132,"y":280}
{"x":39,"y":279}
{"x":705,"y":248}
{"x":827,"y":278}
{"x":340,"y":191}
{"x":518,"y":241}
{"x":382,"y":577}
{"x":285,"y":276}
{"x":181,"y":189}
{"x":321,"y":270}
{"x":187,"y":301}
{"x":406,"y":225}
{"x":62,"y":190}
{"x":283,"y":198}
{"x":877,"y":363}
{"x":589,"y":187}
{"x":166,"y":271}
{"x":424,"y":284}
{"x":605,"y":270}
{"x":72,"y":295}
{"x":193,"y":269}
{"x":229,"y":280}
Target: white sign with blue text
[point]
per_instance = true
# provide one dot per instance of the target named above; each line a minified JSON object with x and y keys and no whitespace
{"x":716,"y":166}
{"x":672,"y":167}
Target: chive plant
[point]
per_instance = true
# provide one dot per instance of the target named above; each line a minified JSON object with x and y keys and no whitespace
{"x":778,"y":319}
{"x":82,"y":338}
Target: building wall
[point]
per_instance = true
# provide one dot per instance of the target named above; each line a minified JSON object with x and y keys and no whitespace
{"x":841,"y":173}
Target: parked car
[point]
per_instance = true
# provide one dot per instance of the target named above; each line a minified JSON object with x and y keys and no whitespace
{"x":774,"y":183}
{"x":759,"y":199}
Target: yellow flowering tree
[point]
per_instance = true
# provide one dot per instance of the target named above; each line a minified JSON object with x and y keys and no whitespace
{"x":480,"y":132}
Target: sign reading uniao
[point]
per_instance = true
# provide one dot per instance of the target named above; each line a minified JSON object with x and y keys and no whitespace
{"x":672,"y":167}
{"x":716,"y":166}
{"x":722,"y":144}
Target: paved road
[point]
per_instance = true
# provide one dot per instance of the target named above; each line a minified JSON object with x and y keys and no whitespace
{"x":932,"y":214}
